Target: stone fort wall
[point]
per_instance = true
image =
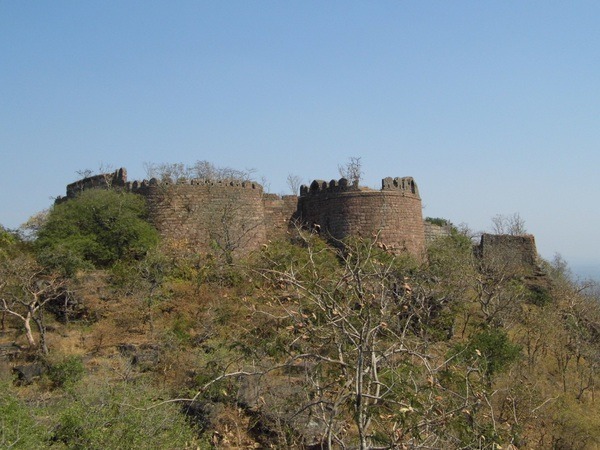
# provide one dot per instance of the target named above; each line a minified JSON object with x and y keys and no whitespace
{"x":195,"y":214}
{"x":513,"y":253}
{"x":393,"y":214}
{"x":237,"y":216}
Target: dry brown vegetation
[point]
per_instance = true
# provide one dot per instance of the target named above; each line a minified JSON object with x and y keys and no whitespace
{"x":304,"y":345}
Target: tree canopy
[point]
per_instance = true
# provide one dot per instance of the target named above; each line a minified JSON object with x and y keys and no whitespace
{"x":96,"y":229}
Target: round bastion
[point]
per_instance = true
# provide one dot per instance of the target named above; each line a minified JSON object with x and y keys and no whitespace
{"x":393,"y":214}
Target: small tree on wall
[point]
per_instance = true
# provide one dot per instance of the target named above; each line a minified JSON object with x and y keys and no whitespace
{"x":200,"y":169}
{"x":352,"y":170}
{"x":294,"y":182}
{"x":511,"y":224}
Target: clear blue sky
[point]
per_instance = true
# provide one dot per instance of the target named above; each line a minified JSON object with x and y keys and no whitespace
{"x":493,"y":107}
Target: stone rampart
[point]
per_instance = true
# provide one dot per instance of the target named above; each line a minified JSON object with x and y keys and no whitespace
{"x":197,"y":215}
{"x":339,"y":210}
{"x":102,"y":181}
{"x":433,"y":231}
{"x":508,"y":252}
{"x":237,"y":216}
{"x":279,"y":213}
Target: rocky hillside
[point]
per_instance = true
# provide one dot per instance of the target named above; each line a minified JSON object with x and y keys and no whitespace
{"x":300,"y":345}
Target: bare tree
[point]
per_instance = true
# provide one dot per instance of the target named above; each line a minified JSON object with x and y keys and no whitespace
{"x":265,"y":183}
{"x":103,"y":168}
{"x":28,"y":231}
{"x":352,"y":362}
{"x":25,"y":291}
{"x":294,"y":182}
{"x":509,"y":224}
{"x":352,"y":170}
{"x":84,"y":173}
{"x":167,"y":172}
{"x":495,"y":290}
{"x":200,"y":169}
{"x":364,"y":327}
{"x":230,"y":227}
{"x":207,"y":170}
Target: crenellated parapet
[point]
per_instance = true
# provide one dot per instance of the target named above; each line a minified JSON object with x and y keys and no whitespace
{"x":118,"y":178}
{"x":192,"y":213}
{"x":140,"y":186}
{"x":403,"y":184}
{"x":406,"y":185}
{"x":198,"y":215}
{"x":319,"y":186}
{"x":340,"y":209}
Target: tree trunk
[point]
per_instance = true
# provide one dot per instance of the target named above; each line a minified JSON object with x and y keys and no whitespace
{"x":39,"y":321}
{"x":28,"y":332}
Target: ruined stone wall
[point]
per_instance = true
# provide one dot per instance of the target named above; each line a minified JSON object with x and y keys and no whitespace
{"x":103,"y":181}
{"x":513,"y":253}
{"x":433,"y":231}
{"x":340,"y":209}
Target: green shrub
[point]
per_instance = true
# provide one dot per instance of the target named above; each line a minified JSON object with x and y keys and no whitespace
{"x":18,"y":428}
{"x":97,"y":228}
{"x":66,"y":372}
{"x":539,"y":295}
{"x":121,"y":416}
{"x":437,"y":221}
{"x":492,"y":348}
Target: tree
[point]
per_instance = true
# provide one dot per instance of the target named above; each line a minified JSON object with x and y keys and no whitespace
{"x":200,"y":169}
{"x":364,"y":332}
{"x":102,"y":416}
{"x":7,"y":242}
{"x":30,"y":229}
{"x":294,"y":182}
{"x":25,"y":290}
{"x":19,"y":428}
{"x":509,"y":224}
{"x":97,"y":228}
{"x":231,"y":225}
{"x":352,"y":170}
{"x":103,"y":168}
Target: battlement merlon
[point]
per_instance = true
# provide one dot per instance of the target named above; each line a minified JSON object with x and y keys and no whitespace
{"x":102,"y":181}
{"x":404,"y":184}
{"x":318,"y":186}
{"x":118,"y":178}
{"x":136,"y":185}
{"x":401,"y":184}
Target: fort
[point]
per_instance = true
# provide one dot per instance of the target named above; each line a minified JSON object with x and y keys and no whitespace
{"x":238,"y":216}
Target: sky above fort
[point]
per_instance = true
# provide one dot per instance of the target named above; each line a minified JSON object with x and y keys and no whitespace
{"x":493,"y":107}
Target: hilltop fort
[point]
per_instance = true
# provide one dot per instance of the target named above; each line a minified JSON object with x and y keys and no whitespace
{"x":197,"y":214}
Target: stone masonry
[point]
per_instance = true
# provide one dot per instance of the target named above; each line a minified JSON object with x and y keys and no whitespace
{"x":195,"y":215}
{"x":513,"y":253}
{"x":392,"y":214}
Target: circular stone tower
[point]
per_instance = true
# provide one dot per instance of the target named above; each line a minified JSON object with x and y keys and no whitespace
{"x":340,"y":210}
